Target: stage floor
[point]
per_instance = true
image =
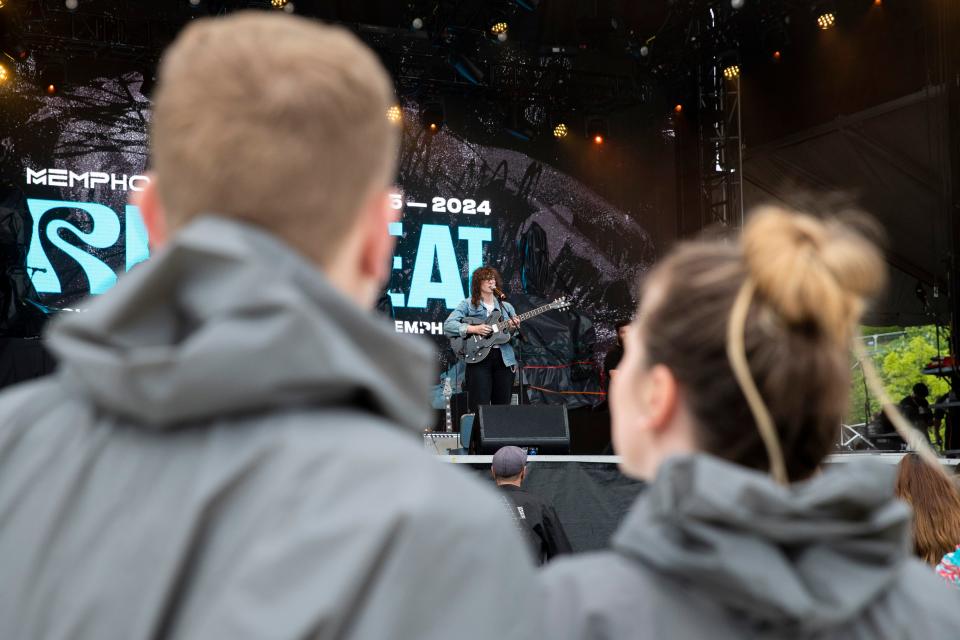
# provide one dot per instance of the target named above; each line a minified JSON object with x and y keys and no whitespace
{"x":592,"y":495}
{"x":891,"y":457}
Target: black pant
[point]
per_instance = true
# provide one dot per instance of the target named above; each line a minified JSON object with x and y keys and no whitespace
{"x":489,"y":381}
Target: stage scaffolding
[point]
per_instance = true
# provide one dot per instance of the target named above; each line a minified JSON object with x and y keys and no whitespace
{"x":721,"y":146}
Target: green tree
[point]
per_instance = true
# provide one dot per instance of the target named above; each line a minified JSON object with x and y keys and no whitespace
{"x":899,"y":354}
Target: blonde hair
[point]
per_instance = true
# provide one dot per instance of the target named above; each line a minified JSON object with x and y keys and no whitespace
{"x":273,"y":119}
{"x":778,"y":311}
{"x":813,"y":273}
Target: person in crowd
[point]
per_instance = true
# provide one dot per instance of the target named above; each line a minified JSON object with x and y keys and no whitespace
{"x":732,"y":387}
{"x":949,"y":568}
{"x":230,"y":446}
{"x":612,"y":359}
{"x":534,"y":515}
{"x":936,"y":508}
{"x":945,"y":421}
{"x":916,"y":409}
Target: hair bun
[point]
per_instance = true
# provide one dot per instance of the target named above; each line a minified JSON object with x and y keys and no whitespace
{"x":812,"y":271}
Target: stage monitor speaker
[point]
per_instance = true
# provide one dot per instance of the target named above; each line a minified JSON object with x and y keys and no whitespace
{"x":530,"y":426}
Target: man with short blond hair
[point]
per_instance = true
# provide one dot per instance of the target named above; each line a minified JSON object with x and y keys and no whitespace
{"x":229,"y":448}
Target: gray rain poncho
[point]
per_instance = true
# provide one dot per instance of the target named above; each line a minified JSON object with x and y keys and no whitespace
{"x":715,"y":550}
{"x":230,"y":450}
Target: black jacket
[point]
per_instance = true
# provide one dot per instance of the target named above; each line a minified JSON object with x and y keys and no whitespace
{"x":539,"y":522}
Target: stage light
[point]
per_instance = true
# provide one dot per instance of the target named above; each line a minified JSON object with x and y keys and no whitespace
{"x":736,"y":4}
{"x":278,"y":4}
{"x":498,"y":28}
{"x":731,"y":72}
{"x":776,"y":56}
{"x":876,"y":3}
{"x":51,"y":89}
{"x":4,"y":74}
{"x":678,"y":108}
{"x":417,"y":24}
{"x":394,"y":114}
{"x":466,"y":67}
{"x":644,"y":51}
{"x":826,"y":21}
{"x":71,"y":4}
{"x":432,"y":116}
{"x":597,"y":129}
{"x":2,"y":4}
{"x":560,"y":131}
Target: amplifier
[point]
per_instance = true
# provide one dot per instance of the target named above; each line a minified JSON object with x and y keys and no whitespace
{"x":543,"y":427}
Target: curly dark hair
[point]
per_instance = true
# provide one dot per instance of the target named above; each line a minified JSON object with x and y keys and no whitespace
{"x":479,"y":275}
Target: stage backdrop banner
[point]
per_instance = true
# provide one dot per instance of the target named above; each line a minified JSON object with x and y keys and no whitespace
{"x":71,"y":162}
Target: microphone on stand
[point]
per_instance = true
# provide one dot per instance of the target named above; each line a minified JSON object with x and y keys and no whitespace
{"x":500,"y":294}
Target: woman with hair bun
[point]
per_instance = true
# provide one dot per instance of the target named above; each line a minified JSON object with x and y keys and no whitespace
{"x":734,"y":381}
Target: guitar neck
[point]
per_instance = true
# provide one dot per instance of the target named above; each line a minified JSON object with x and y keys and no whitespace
{"x":528,"y":314}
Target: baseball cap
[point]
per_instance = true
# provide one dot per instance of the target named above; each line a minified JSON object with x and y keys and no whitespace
{"x":508,"y":461}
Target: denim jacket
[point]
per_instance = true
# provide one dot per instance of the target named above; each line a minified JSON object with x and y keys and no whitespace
{"x":452,"y":327}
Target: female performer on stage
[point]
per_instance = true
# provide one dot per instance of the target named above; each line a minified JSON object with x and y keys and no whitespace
{"x":490,"y":380}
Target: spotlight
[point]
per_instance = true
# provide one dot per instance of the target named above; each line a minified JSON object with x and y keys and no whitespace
{"x":278,"y":4}
{"x":736,"y":4}
{"x":15,"y":51}
{"x":826,"y":20}
{"x":678,"y":108}
{"x":432,"y":116}
{"x":288,"y":8}
{"x":498,"y":28}
{"x":51,"y":77}
{"x":417,"y":24}
{"x":71,"y":4}
{"x":560,"y":131}
{"x":876,"y":3}
{"x":4,"y":74}
{"x":731,"y":72}
{"x":776,"y":56}
{"x":194,"y":3}
{"x":394,"y":114}
{"x":597,"y":130}
{"x":502,"y":37}
{"x":2,"y":4}
{"x":467,"y":69}
{"x":517,"y":125}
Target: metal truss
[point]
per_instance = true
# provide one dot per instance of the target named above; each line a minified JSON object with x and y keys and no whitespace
{"x":721,"y":146}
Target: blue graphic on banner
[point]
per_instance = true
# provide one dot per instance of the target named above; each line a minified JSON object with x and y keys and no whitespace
{"x":104,"y":233}
{"x":435,"y":252}
{"x":138,"y":244}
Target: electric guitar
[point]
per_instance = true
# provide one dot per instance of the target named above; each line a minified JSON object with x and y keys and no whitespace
{"x":474,"y":347}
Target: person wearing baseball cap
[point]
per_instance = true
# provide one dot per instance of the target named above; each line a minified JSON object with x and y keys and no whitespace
{"x":535,"y":516}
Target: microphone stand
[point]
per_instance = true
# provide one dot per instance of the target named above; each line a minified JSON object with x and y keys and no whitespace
{"x":518,"y":356}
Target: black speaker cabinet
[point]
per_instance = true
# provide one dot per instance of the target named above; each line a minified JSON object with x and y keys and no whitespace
{"x":539,"y":426}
